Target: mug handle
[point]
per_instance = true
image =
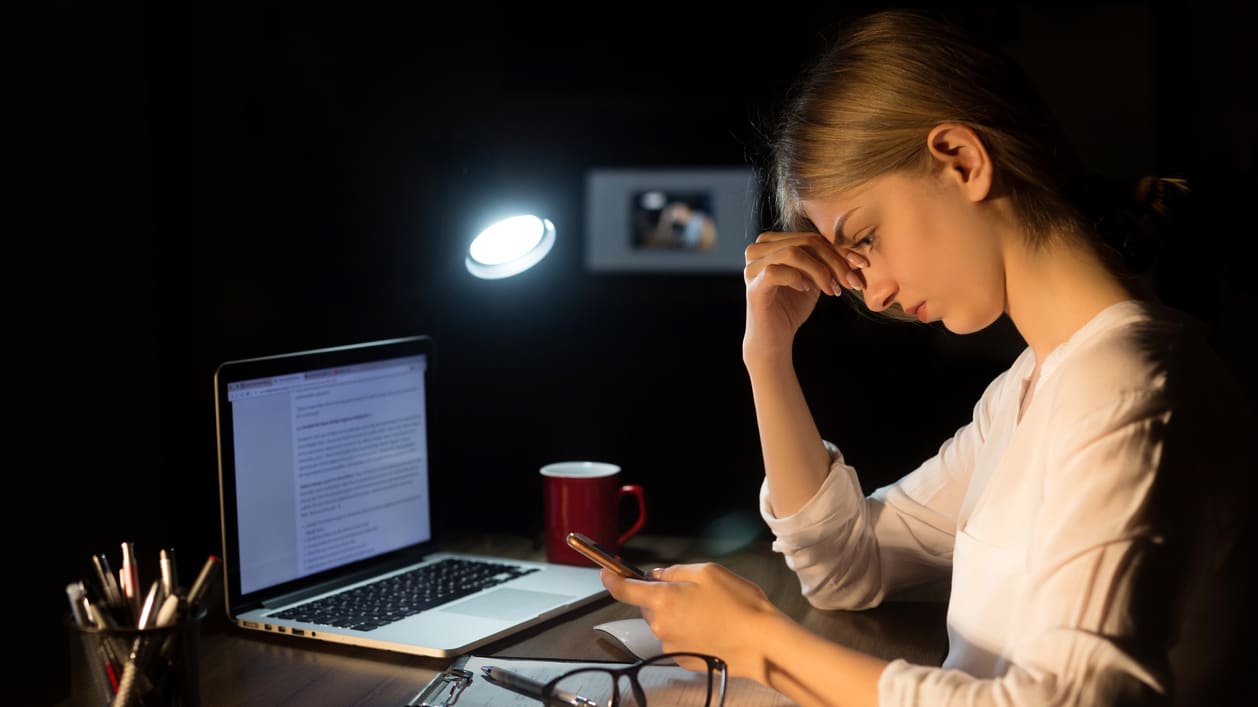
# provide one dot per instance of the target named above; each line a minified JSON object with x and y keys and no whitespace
{"x":636,"y":491}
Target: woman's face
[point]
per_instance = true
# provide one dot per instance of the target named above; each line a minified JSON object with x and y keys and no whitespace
{"x":931,"y":250}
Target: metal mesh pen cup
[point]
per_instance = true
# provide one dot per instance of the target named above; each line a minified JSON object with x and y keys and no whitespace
{"x":130,"y":667}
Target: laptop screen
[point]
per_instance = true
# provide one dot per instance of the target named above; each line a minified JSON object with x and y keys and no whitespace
{"x":329,"y":460}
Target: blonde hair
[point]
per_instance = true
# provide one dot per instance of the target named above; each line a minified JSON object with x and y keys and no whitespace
{"x":865,"y":107}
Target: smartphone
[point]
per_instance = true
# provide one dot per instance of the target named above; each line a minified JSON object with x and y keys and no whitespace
{"x":604,"y":557}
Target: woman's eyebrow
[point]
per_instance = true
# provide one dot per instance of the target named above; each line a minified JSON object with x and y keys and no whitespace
{"x":839,"y":238}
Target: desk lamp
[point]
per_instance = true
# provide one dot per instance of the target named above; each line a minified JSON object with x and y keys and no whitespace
{"x":510,"y":246}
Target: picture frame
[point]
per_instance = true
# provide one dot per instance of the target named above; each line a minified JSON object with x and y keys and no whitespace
{"x":670,"y":219}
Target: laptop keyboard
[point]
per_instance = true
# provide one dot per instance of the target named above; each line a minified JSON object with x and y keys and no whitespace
{"x":395,"y":598}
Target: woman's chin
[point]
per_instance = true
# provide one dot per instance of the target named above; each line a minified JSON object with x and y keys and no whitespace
{"x":967,"y":325}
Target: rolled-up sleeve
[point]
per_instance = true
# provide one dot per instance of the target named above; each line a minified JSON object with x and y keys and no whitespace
{"x":850,"y":550}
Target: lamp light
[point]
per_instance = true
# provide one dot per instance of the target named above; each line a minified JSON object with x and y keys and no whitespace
{"x":510,"y":246}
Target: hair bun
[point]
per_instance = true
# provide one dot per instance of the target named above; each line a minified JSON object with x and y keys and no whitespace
{"x":1154,"y":192}
{"x":1136,"y":223}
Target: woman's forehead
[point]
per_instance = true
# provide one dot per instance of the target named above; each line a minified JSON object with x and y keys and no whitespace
{"x":829,"y":213}
{"x":843,"y":199}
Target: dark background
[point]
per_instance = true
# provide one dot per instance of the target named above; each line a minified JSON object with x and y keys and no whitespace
{"x":206,"y":181}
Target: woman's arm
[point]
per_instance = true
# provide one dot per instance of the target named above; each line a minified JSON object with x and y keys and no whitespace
{"x":850,"y":550}
{"x":796,"y":461}
{"x":785,"y":274}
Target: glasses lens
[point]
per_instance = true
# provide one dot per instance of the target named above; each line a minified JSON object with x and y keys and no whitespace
{"x":665,"y":684}
{"x":583,"y":688}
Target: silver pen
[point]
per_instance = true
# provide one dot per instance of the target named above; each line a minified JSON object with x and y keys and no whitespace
{"x":148,"y":609}
{"x":114,"y":601}
{"x":169,"y":575}
{"x":531,"y":687}
{"x":129,"y":580}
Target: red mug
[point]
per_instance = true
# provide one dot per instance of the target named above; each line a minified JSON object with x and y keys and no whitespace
{"x":584,"y":497}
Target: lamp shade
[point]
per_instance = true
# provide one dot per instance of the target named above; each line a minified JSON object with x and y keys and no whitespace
{"x":510,"y":246}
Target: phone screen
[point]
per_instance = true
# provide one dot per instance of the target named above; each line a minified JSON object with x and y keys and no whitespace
{"x":603,"y":556}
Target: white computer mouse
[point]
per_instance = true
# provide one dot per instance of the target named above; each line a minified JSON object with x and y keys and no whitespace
{"x":635,"y":635}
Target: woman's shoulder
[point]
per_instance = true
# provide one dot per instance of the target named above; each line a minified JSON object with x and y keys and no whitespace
{"x":1144,"y":354}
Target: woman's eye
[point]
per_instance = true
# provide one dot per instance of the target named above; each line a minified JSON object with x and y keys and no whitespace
{"x":866,"y":241}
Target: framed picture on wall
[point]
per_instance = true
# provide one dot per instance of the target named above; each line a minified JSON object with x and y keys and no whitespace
{"x":670,"y":219}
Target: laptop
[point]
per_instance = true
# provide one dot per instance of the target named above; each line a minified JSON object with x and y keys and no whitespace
{"x":325,"y":488}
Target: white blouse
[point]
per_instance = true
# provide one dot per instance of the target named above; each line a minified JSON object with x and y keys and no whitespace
{"x":1069,"y":534}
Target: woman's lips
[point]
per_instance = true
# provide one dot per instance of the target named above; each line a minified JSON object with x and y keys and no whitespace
{"x":920,"y":312}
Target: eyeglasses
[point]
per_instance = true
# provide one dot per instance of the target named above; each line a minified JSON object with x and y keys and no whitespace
{"x":657,"y":678}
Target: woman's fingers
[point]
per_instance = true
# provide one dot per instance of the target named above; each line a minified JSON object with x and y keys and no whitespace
{"x":789,"y":276}
{"x":793,"y":267}
{"x":821,"y":264}
{"x":629,"y":591}
{"x":855,"y":260}
{"x":645,"y":593}
{"x":854,"y":279}
{"x":681,"y":573}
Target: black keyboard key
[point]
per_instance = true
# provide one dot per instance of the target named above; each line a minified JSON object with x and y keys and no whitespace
{"x":395,"y":598}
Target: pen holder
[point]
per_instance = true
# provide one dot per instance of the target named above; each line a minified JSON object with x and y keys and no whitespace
{"x":130,"y":667}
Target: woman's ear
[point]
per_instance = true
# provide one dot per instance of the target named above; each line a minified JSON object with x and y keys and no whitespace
{"x":961,"y":158}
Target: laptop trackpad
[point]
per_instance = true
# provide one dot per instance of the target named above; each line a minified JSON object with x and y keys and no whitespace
{"x":509,"y":604}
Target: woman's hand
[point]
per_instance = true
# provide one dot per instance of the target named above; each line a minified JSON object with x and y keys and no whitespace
{"x":785,"y":274}
{"x":702,"y":608}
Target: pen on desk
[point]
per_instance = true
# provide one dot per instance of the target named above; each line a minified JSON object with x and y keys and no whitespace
{"x":531,"y":687}
{"x":510,"y":680}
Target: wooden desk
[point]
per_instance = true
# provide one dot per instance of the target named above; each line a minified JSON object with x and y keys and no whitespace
{"x":244,"y":668}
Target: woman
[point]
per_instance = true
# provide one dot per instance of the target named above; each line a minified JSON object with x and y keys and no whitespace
{"x":1083,"y":513}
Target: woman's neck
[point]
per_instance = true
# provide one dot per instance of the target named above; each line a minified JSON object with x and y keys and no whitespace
{"x":1050,"y":293}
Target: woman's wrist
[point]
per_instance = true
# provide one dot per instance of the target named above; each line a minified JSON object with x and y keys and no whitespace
{"x":766,"y":362}
{"x":762,"y":344}
{"x":768,"y":638}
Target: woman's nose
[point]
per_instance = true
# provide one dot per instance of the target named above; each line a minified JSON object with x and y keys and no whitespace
{"x":880,"y":292}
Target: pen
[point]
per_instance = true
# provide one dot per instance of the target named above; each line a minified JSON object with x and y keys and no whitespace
{"x":78,"y":603}
{"x":530,"y":687}
{"x":108,"y":583}
{"x":149,"y":608}
{"x":129,"y":579}
{"x":172,"y":609}
{"x":114,"y":648}
{"x":97,"y":616}
{"x":202,"y":583}
{"x":169,"y":611}
{"x":135,"y":680}
{"x":174,"y":606}
{"x":107,"y":646}
{"x":170,"y":577}
{"x":79,"y":608}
